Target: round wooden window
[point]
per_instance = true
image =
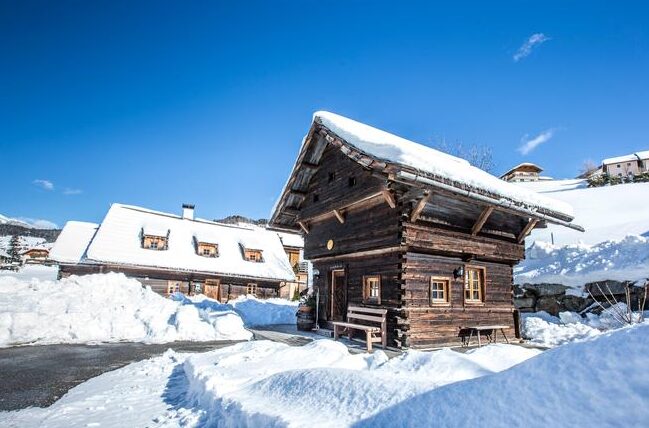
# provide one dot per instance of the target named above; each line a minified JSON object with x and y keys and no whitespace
{"x":330,"y":244}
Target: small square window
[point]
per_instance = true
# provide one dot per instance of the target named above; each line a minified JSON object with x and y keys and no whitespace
{"x":316,"y":197}
{"x":332,"y":176}
{"x":352,"y":181}
{"x":440,"y":292}
{"x":372,"y":289}
{"x":251,"y":288}
{"x":253,"y":255}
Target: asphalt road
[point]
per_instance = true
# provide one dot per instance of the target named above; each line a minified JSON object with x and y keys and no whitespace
{"x":40,"y":375}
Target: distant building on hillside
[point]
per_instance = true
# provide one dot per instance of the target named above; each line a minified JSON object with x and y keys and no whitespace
{"x":172,"y":253}
{"x":627,"y":165}
{"x":35,"y":255}
{"x":524,"y":172}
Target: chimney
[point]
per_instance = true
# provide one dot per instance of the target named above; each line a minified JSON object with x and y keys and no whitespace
{"x":188,"y":211}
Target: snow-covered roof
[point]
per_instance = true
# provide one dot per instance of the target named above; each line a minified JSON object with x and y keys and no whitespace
{"x":376,"y":148}
{"x":73,"y":241}
{"x":118,"y":240}
{"x":523,"y":165}
{"x":291,"y":239}
{"x":627,"y":158}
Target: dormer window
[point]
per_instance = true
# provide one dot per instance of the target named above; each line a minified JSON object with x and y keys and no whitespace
{"x":253,"y":255}
{"x":151,"y":242}
{"x":207,"y":249}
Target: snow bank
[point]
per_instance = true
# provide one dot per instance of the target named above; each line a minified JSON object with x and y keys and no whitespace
{"x":29,"y":272}
{"x":320,"y":384}
{"x":600,"y":382}
{"x":547,"y":330}
{"x":104,"y":308}
{"x":574,"y":265}
{"x":253,"y":311}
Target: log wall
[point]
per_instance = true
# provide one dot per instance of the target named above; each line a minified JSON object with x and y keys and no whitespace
{"x":428,"y":325}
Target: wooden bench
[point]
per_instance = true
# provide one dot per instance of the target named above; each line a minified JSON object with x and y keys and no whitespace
{"x":373,"y":333}
{"x":487,"y":330}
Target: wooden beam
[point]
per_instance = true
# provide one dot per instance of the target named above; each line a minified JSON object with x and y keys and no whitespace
{"x":526,"y":230}
{"x":416,"y":211}
{"x":339,"y":216}
{"x":389,"y":198}
{"x":303,"y":227}
{"x":298,"y":192}
{"x":309,"y":165}
{"x":484,"y":216}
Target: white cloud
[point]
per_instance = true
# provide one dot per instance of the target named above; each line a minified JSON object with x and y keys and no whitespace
{"x":38,"y":223}
{"x":530,"y":144}
{"x":43,"y":184}
{"x":69,"y":191}
{"x":533,"y":41}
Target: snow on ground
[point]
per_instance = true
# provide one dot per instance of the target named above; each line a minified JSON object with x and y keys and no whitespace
{"x":133,"y":396}
{"x":607,"y":213}
{"x":599,"y":382}
{"x":253,"y":311}
{"x":544,"y":329}
{"x":578,"y":264}
{"x":263,"y":383}
{"x":25,"y":241}
{"x":104,"y":308}
{"x":29,"y":272}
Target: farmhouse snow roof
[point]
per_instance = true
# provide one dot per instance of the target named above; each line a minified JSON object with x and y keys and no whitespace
{"x":72,"y":243}
{"x":118,"y":241}
{"x":627,"y":158}
{"x":413,"y":162}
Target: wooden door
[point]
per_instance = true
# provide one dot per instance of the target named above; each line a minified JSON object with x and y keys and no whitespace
{"x":338,"y":295}
{"x":213,"y":289}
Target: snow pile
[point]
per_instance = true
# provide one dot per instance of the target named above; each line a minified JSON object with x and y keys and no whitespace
{"x":104,"y":308}
{"x":607,"y":213}
{"x":600,"y":382}
{"x":626,"y":259}
{"x":29,"y":272}
{"x":320,"y":384}
{"x":547,"y":330}
{"x":253,"y":311}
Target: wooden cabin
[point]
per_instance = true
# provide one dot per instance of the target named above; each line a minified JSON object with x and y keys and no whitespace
{"x":392,"y":224}
{"x":172,"y":253}
{"x":35,"y":255}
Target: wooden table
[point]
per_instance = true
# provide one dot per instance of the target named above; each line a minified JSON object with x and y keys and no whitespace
{"x":480,"y":328}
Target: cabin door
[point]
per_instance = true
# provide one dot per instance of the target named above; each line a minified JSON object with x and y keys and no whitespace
{"x":213,"y":289}
{"x":338,"y":295}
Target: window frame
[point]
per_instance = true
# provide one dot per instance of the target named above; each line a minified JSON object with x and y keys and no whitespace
{"x":155,"y":243}
{"x":202,"y":246}
{"x":367,"y":289}
{"x":251,"y":286}
{"x":482,"y":285}
{"x":447,"y":291}
{"x":248,"y":251}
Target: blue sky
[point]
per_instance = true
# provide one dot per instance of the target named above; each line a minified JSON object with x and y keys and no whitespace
{"x":160,"y":103}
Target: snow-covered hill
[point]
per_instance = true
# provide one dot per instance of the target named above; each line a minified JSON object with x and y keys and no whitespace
{"x":27,"y":223}
{"x":615,"y":245}
{"x":607,"y":213}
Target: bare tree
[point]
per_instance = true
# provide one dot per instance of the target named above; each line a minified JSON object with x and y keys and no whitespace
{"x":479,"y":156}
{"x":623,"y":314}
{"x":587,"y":168}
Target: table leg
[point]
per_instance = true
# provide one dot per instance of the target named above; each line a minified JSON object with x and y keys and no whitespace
{"x":468,"y":342}
{"x":503,"y":332}
{"x":479,"y":341}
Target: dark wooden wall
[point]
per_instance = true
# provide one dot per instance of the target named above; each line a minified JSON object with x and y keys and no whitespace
{"x":388,"y":266}
{"x":427,"y":325}
{"x":337,"y":193}
{"x":373,"y":226}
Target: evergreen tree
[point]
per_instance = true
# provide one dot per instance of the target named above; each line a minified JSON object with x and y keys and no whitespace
{"x":14,"y":249}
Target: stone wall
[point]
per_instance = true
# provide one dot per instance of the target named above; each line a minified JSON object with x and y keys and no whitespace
{"x":555,"y":298}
